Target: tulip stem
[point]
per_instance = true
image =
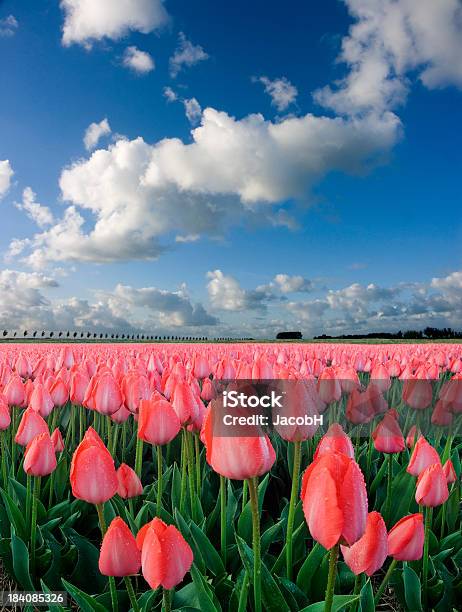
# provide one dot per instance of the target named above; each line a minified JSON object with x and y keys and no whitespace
{"x":159,"y":480}
{"x":428,"y":522}
{"x":52,"y":486}
{"x":33,"y":530}
{"x":112,"y":584}
{"x":109,"y":434}
{"x":4,"y":451}
{"x":253,"y":490}
{"x":244,"y":494}
{"x":167,"y":600}
{"x":198,"y":465}
{"x":192,"y":494}
{"x":223,"y":518}
{"x":138,"y":456}
{"x":14,"y":412}
{"x":384,"y":582}
{"x":331,"y":578}
{"x":292,"y":504}
{"x":183,"y":475}
{"x":389,"y":481}
{"x":131,"y":594}
{"x":28,"y":500}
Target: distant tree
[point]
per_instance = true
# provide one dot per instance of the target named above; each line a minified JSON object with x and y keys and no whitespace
{"x":68,"y":333}
{"x":34,"y":334}
{"x":289,"y":335}
{"x":60,"y":334}
{"x":75,"y":334}
{"x":25,"y":332}
{"x":5,"y":332}
{"x":52,"y":334}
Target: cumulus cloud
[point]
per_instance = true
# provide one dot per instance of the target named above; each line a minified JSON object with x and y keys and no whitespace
{"x":388,"y":41}
{"x":225,"y":293}
{"x":132,"y":195}
{"x":26,"y":304}
{"x":186,"y":55}
{"x":94,"y":132}
{"x":40,"y":215}
{"x":281,"y":91}
{"x":87,"y":21}
{"x":8,"y":26}
{"x":193,"y":110}
{"x":292,"y":284}
{"x":170,"y":95}
{"x":172,"y":308}
{"x":138,"y":61}
{"x":6,"y":172}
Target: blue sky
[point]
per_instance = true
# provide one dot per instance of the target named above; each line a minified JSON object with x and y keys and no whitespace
{"x":315,"y":183}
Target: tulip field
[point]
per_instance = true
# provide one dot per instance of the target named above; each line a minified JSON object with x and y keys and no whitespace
{"x":119,"y":490}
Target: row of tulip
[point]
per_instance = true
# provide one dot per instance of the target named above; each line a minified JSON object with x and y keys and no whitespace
{"x":122,"y":441}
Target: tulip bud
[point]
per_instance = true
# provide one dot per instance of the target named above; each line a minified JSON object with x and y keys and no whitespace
{"x":422,"y":456}
{"x":58,"y":442}
{"x":165,"y":555}
{"x":119,"y":555}
{"x":40,"y":458}
{"x":93,"y":476}
{"x":31,"y":425}
{"x":449,"y":472}
{"x":432,"y":488}
{"x":387,"y":435}
{"x":129,"y":483}
{"x":157,"y":422}
{"x":5,"y":418}
{"x":368,"y":554}
{"x":334,"y":499}
{"x":237,"y":457}
{"x":406,"y":538}
{"x":335,"y":439}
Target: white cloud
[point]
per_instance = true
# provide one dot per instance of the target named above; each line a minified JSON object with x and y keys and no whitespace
{"x":225,"y":293}
{"x":193,"y":110}
{"x":24,"y":304}
{"x":41,"y":215}
{"x":8,"y":26}
{"x":94,"y":132}
{"x":292,"y":284}
{"x":87,"y":21}
{"x":281,"y":91}
{"x":139,"y":61}
{"x":172,"y":308}
{"x":170,"y":95}
{"x":186,"y":55}
{"x":187,"y":238}
{"x":388,"y":41}
{"x":138,"y":193}
{"x":6,"y":172}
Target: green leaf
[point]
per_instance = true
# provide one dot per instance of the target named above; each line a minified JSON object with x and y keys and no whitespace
{"x":21,"y":493}
{"x":402,"y":493}
{"x":86,"y":571}
{"x":14,"y":514}
{"x":176,"y":487}
{"x":366,"y":598}
{"x":309,"y":567}
{"x":271,"y":535}
{"x":20,"y":554}
{"x":340,"y":601}
{"x":45,"y":589}
{"x":210,"y":555}
{"x":244,"y":524}
{"x":272,"y":598}
{"x":412,"y":589}
{"x":85,"y":602}
{"x":186,"y":533}
{"x":203,"y":591}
